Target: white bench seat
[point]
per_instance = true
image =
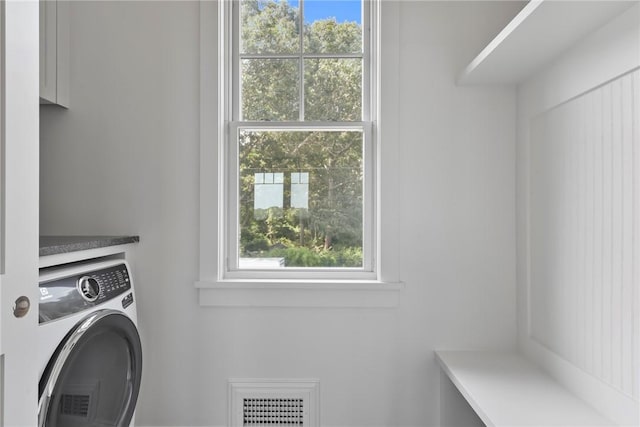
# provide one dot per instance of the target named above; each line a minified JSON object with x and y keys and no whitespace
{"x":505,"y":389}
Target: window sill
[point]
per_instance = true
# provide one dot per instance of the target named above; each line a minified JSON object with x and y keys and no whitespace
{"x":272,"y":293}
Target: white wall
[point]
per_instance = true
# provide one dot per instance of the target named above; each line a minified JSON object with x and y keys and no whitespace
{"x":124,"y":159}
{"x":578,"y":218}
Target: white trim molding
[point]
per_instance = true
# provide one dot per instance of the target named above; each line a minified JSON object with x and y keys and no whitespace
{"x":382,"y":288}
{"x":335,"y":294}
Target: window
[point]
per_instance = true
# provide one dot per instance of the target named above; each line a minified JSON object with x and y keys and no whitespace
{"x":298,"y":132}
{"x":227,"y":279}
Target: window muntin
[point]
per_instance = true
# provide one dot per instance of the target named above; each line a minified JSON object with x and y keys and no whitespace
{"x":310,"y":90}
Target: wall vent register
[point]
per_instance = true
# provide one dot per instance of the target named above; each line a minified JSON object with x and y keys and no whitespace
{"x":274,"y":402}
{"x":276,"y":411}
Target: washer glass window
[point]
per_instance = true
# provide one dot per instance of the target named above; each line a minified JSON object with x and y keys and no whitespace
{"x":94,"y":377}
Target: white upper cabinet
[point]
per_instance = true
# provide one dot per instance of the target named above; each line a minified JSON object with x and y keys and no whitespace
{"x":54,"y":52}
{"x":536,"y":36}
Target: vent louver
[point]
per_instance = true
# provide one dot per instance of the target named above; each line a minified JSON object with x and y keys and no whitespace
{"x":267,"y":402}
{"x":274,"y":411}
{"x":75,"y":404}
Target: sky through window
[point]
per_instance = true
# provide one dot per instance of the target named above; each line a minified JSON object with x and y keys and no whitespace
{"x":342,"y":10}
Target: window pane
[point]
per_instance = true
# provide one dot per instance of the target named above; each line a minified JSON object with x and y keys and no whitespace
{"x":269,"y":26}
{"x":270,"y":89}
{"x":333,"y":89}
{"x":268,"y":192}
{"x":332,"y":26}
{"x":301,"y":196}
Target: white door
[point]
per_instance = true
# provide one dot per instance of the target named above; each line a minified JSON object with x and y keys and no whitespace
{"x":19,"y":112}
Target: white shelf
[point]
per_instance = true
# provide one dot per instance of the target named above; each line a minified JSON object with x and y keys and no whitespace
{"x":536,"y":36}
{"x":505,"y":389}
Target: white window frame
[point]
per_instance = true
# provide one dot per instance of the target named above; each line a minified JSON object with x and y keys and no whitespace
{"x":221,"y":286}
{"x":232,"y":117}
{"x":231,"y":224}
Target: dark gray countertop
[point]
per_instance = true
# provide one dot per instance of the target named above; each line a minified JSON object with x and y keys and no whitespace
{"x":52,"y":245}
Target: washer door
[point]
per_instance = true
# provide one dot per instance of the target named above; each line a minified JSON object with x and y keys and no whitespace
{"x":93,"y":379}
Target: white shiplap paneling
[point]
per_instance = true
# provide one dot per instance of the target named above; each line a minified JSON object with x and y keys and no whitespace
{"x":585,"y":220}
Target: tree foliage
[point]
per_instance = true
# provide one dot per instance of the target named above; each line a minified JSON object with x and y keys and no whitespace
{"x":329,"y":231}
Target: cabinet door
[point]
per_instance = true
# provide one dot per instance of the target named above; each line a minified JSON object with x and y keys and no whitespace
{"x":48,"y":51}
{"x":19,"y":211}
{"x":54,"y":52}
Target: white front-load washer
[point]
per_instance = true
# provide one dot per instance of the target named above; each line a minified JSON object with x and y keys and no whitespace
{"x":90,"y":355}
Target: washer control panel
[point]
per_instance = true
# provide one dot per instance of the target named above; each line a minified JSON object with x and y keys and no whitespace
{"x":110,"y":283}
{"x":76,"y":293}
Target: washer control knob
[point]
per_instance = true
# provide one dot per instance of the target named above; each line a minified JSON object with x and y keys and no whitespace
{"x":89,"y":288}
